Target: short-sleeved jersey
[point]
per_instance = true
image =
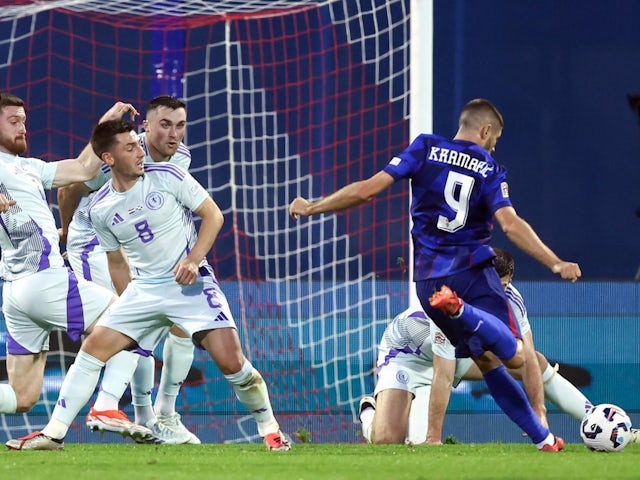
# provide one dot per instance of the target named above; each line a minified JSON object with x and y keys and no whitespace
{"x":29,"y":236}
{"x":519,"y":308}
{"x":81,"y":232}
{"x":408,"y":332}
{"x":409,"y":343}
{"x":152,"y":221}
{"x":456,"y":186}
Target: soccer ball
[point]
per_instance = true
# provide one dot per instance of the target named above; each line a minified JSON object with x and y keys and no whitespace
{"x":606,"y":428}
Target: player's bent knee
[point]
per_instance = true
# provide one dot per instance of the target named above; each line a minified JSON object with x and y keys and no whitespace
{"x":387,"y":437}
{"x":518,"y":359}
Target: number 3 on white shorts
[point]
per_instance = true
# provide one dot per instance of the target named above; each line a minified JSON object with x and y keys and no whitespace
{"x":457,"y":192}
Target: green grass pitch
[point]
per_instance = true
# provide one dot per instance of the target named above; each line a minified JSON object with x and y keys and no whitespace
{"x":318,"y":461}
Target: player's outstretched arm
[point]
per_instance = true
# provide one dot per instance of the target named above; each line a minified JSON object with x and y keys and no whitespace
{"x":68,"y":199}
{"x":525,"y":238}
{"x":355,"y":193}
{"x":87,"y":164}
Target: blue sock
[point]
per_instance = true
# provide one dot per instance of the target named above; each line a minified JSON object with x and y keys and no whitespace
{"x":513,"y":401}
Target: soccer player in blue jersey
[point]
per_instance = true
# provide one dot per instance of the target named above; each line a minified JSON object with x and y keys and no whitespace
{"x":165,"y":127}
{"x":458,"y":190}
{"x":413,"y":345}
{"x":40,"y":294}
{"x":144,"y":214}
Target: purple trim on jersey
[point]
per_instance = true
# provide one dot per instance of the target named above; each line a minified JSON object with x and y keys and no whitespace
{"x":174,"y":170}
{"x":184,"y":150}
{"x":44,"y":262}
{"x":14,"y":348}
{"x":4,"y":226}
{"x":206,"y":270}
{"x":393,"y":353}
{"x":141,"y":351}
{"x":103,"y":192}
{"x":516,"y":299}
{"x":75,"y":312}
{"x":84,"y":257}
{"x":418,"y":314}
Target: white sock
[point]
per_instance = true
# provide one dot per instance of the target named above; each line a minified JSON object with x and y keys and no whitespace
{"x":77,"y":388}
{"x":8,"y":400}
{"x":177,"y":357}
{"x":561,"y":393}
{"x":253,"y":394}
{"x":116,"y":377}
{"x":141,"y":387}
{"x":550,"y":440}
{"x":366,"y":418}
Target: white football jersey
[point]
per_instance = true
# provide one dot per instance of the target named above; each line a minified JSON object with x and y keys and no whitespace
{"x":519,"y":309}
{"x":152,"y":221}
{"x":408,"y":332}
{"x":29,"y":236}
{"x":81,"y":232}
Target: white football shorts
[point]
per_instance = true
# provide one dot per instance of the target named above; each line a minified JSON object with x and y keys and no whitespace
{"x":146,"y":311}
{"x":408,"y":371}
{"x":52,"y":299}
{"x":91,"y":264}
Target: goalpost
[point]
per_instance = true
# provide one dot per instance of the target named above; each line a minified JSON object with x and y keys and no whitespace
{"x":284,"y":98}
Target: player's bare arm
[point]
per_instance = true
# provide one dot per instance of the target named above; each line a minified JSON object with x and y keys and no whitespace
{"x":351,"y":195}
{"x":68,"y":199}
{"x":87,"y":164}
{"x":119,"y":269}
{"x":186,"y":271}
{"x":443,"y":372}
{"x":525,"y":238}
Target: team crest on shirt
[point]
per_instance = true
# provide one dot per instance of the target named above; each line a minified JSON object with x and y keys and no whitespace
{"x":504,"y":186}
{"x":402,"y":376}
{"x":154,"y":201}
{"x":439,"y":339}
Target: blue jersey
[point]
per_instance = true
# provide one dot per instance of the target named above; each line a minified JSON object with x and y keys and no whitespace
{"x":457,"y":186}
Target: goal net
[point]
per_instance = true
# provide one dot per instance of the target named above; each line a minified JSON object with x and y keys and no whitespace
{"x":284,"y":98}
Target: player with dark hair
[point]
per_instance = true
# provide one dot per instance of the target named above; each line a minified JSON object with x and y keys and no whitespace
{"x":165,"y":126}
{"x":458,"y":190}
{"x":39,"y":294}
{"x":145,"y":209}
{"x":417,"y":368}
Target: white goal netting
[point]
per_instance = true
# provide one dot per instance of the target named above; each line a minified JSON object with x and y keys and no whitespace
{"x":284,"y":98}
